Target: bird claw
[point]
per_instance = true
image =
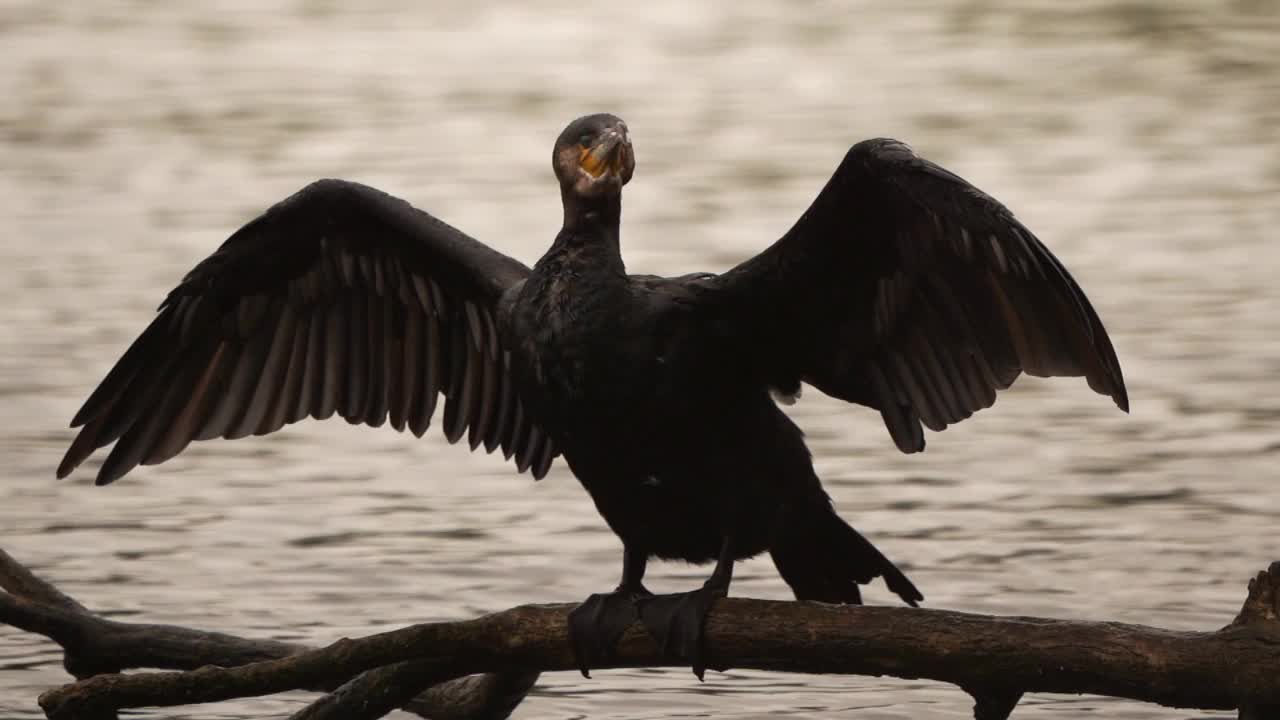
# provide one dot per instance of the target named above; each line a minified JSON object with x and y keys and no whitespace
{"x":676,"y":623}
{"x":597,"y":624}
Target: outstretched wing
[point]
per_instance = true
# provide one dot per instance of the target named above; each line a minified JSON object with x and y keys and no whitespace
{"x":340,"y":299}
{"x":906,"y":289}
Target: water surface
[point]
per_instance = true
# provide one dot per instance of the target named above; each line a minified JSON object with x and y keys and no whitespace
{"x":1140,"y":140}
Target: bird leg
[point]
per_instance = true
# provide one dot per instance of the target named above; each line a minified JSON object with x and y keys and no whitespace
{"x":597,"y":624}
{"x":676,"y":621}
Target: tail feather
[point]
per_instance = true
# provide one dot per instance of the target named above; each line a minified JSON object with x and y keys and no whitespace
{"x":822,"y":558}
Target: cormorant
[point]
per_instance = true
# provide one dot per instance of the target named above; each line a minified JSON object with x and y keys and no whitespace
{"x":902,"y":288}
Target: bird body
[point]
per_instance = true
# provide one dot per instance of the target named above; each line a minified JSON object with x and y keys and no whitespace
{"x":596,"y":343}
{"x":902,"y":288}
{"x":644,"y":404}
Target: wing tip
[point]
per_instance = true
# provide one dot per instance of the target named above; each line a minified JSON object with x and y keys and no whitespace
{"x":1119,"y":393}
{"x":112,"y":471}
{"x":909,"y":437}
{"x":1111,"y":385}
{"x":901,"y":586}
{"x":71,"y":460}
{"x":81,"y":448}
{"x":106,"y":475}
{"x":1121,"y":398}
{"x":911,"y":448}
{"x":454,"y":431}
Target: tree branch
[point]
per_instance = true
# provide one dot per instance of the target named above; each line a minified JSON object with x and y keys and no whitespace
{"x":93,"y":645}
{"x":995,"y":658}
{"x":375,"y":693}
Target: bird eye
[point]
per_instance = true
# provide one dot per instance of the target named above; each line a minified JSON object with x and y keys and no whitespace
{"x":585,"y":139}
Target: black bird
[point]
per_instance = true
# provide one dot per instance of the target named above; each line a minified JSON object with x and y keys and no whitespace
{"x":902,"y":288}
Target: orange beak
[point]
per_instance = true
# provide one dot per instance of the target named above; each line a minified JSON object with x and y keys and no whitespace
{"x":605,"y":156}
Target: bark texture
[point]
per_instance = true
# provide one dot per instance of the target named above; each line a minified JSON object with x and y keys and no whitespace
{"x":995,"y":659}
{"x":93,"y":645}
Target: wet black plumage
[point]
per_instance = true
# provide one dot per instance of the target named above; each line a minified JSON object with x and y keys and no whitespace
{"x":902,"y":288}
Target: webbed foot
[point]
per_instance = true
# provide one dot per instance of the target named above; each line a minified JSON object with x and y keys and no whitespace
{"x":677,"y":621}
{"x":597,"y":624}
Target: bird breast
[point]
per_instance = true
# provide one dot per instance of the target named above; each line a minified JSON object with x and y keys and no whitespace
{"x":572,"y":331}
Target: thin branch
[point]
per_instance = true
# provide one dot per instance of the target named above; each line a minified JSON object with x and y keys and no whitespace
{"x":93,"y":645}
{"x":1002,"y":655}
{"x":372,"y":694}
{"x":21,"y":582}
{"x":486,"y":696}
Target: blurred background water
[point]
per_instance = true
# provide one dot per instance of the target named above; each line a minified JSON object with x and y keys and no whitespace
{"x":1139,"y":139}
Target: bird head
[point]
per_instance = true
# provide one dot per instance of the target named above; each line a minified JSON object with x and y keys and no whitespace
{"x":593,"y":156}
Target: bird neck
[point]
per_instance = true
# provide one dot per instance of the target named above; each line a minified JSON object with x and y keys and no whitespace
{"x":592,"y":220}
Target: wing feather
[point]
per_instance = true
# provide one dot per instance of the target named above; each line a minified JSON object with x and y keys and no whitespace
{"x":357,"y":377}
{"x":527,"y":448}
{"x":497,"y":436}
{"x":490,"y":387}
{"x":132,"y":447}
{"x":291,"y":384}
{"x":435,"y":372}
{"x":512,"y":441}
{"x":186,"y":424}
{"x":404,"y":369}
{"x":906,"y":289}
{"x":457,"y":398}
{"x":379,"y":333}
{"x":413,"y":362}
{"x":340,"y":299}
{"x":334,"y":361}
{"x":270,"y":378}
{"x":244,"y":377}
